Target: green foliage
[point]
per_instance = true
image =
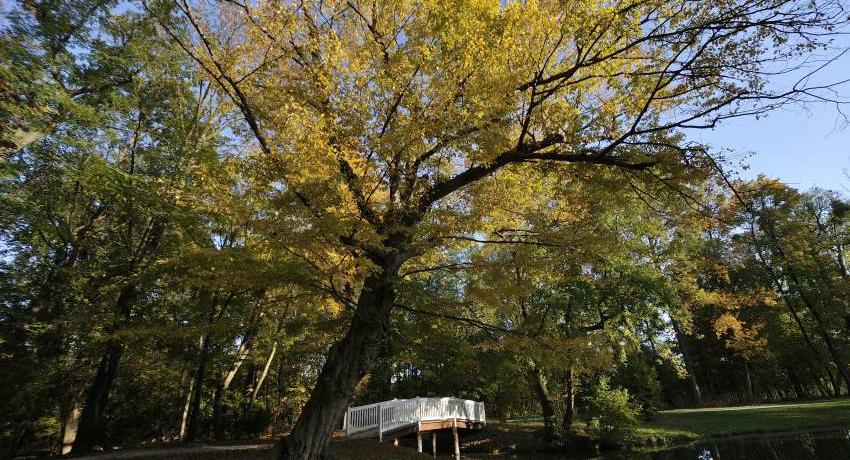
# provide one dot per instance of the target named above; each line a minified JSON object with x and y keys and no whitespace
{"x":612,"y":417}
{"x":640,"y":378}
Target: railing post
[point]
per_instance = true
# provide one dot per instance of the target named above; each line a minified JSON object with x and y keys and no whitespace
{"x":380,"y":423}
{"x":418,"y":409}
{"x":345,"y":421}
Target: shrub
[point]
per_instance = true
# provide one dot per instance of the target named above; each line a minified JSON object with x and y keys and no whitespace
{"x":641,"y":379}
{"x":612,"y":418}
{"x":252,"y":422}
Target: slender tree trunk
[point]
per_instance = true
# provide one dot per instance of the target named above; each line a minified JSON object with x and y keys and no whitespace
{"x":799,"y":389}
{"x":264,"y":373}
{"x":184,"y":413}
{"x":70,"y":424}
{"x":92,"y":420}
{"x":347,"y":362}
{"x":224,"y":383}
{"x":835,"y":385}
{"x":17,"y":437}
{"x":686,"y":357}
{"x":807,"y":339}
{"x":569,"y":402}
{"x":749,"y":381}
{"x":217,"y":428}
{"x":194,"y":426}
{"x":205,"y":346}
{"x":91,"y":427}
{"x":547,"y":407}
{"x":795,"y":280}
{"x":840,"y":364}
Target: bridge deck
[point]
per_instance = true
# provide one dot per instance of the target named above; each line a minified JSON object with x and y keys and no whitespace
{"x":396,"y":418}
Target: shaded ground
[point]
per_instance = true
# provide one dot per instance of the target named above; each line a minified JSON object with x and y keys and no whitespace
{"x":356,"y":449}
{"x":261,"y":451}
{"x":671,"y":427}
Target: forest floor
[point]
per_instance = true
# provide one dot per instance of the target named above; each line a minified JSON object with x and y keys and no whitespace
{"x":670,"y":427}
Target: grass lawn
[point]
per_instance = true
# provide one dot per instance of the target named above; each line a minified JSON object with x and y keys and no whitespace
{"x":689,"y":424}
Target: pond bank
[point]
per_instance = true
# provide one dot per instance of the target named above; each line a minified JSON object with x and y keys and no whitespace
{"x":684,"y":426}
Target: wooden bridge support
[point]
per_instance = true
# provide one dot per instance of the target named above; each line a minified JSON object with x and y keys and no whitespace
{"x":457,"y":441}
{"x":434,"y":443}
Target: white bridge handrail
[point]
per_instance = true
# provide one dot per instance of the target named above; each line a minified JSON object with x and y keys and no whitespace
{"x":390,"y":415}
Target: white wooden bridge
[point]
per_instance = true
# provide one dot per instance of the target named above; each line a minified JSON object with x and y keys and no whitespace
{"x":399,"y":417}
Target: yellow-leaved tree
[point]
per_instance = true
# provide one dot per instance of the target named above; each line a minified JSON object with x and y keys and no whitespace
{"x":375,"y":124}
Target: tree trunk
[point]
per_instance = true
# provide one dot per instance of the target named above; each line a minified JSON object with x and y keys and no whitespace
{"x":799,"y":389}
{"x":569,"y":403}
{"x":832,"y":389}
{"x":184,"y":413}
{"x":217,"y":429}
{"x":840,"y":364}
{"x":194,"y":425}
{"x":264,"y":374}
{"x":70,"y":425}
{"x":205,"y":346}
{"x":686,"y":357}
{"x":538,"y":387}
{"x":749,"y":381}
{"x":347,"y":362}
{"x":224,"y":384}
{"x":795,"y":280}
{"x":91,"y":427}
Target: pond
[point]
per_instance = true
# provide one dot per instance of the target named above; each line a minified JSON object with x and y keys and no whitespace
{"x":831,"y":445}
{"x":821,"y":445}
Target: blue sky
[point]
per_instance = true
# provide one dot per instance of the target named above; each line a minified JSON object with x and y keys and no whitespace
{"x":803,"y":146}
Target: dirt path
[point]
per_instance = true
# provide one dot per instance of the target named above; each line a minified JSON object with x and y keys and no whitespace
{"x":202,"y":451}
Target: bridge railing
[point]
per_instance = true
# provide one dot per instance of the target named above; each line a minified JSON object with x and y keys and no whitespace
{"x":390,"y":415}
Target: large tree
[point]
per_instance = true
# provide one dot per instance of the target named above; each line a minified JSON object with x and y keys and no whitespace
{"x":380,"y":127}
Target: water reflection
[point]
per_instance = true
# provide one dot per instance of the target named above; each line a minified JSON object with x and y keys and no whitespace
{"x":823,"y":445}
{"x":832,"y":445}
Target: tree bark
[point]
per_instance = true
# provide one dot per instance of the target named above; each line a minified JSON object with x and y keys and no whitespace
{"x":799,"y":389}
{"x":224,"y":384}
{"x":547,"y":407}
{"x":569,"y":402}
{"x":749,"y":381}
{"x":70,"y":425}
{"x":187,"y":404}
{"x":194,"y":426}
{"x":217,"y":428}
{"x":91,"y":427}
{"x":347,"y":362}
{"x":686,"y":357}
{"x":205,"y":346}
{"x":264,"y":373}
